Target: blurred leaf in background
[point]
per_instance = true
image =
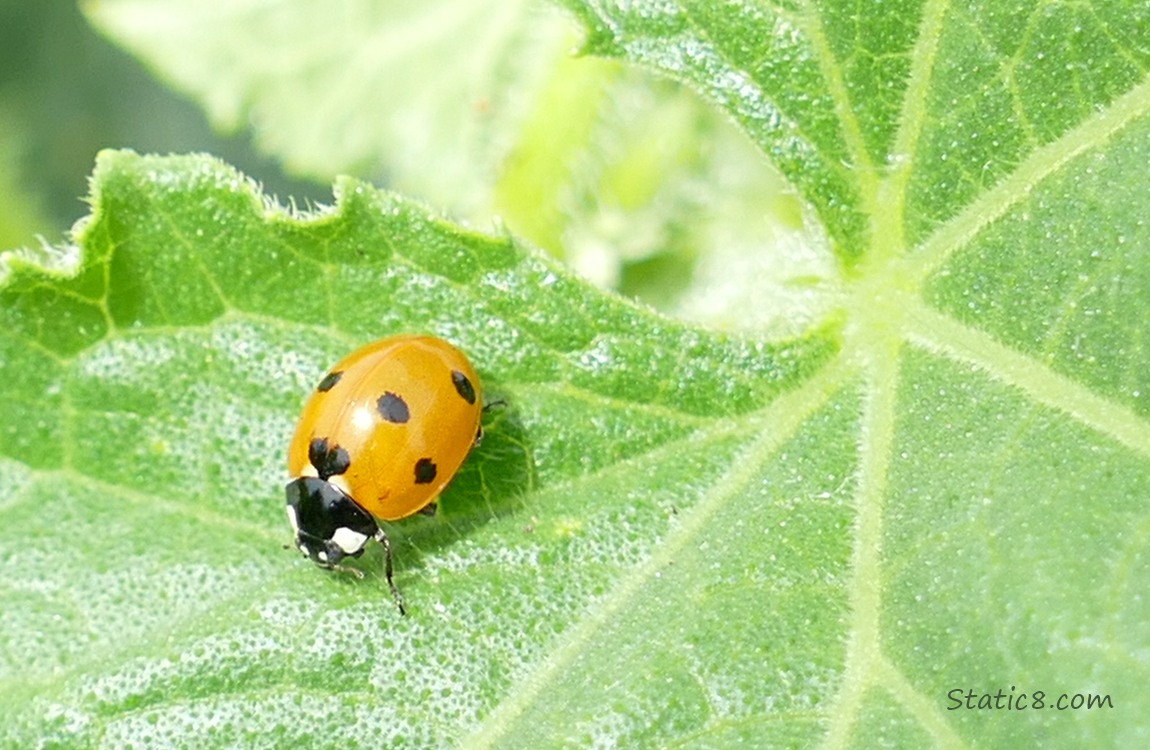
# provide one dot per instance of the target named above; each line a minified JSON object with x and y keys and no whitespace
{"x":66,"y":93}
{"x":479,"y":108}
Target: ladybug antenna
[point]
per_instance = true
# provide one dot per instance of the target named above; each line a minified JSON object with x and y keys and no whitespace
{"x":344,"y":569}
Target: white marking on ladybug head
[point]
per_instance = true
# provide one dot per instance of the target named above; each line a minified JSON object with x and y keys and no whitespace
{"x":308,"y":471}
{"x":348,"y":540}
{"x":293,"y":520}
{"x":339,"y":481}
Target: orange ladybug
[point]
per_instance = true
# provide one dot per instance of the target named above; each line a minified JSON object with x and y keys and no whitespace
{"x":381,"y":436}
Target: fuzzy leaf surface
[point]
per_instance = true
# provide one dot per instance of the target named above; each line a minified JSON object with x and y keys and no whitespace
{"x":672,"y":537}
{"x":148,"y":598}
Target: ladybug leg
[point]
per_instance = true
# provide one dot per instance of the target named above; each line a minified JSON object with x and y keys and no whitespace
{"x":388,"y":571}
{"x":486,"y":408}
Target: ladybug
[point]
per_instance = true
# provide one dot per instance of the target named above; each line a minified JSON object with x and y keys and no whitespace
{"x":380,"y":437}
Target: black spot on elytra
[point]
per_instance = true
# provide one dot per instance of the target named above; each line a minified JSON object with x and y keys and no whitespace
{"x":463,"y":386}
{"x":424,"y":471}
{"x":328,"y":460}
{"x":329,"y":381}
{"x":393,"y":408}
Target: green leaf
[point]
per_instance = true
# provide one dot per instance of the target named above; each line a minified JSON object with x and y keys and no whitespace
{"x":671,"y":537}
{"x":150,"y":398}
{"x":981,"y":173}
{"x":427,"y":95}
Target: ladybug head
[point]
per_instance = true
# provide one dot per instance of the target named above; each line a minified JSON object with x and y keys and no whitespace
{"x":328,"y":524}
